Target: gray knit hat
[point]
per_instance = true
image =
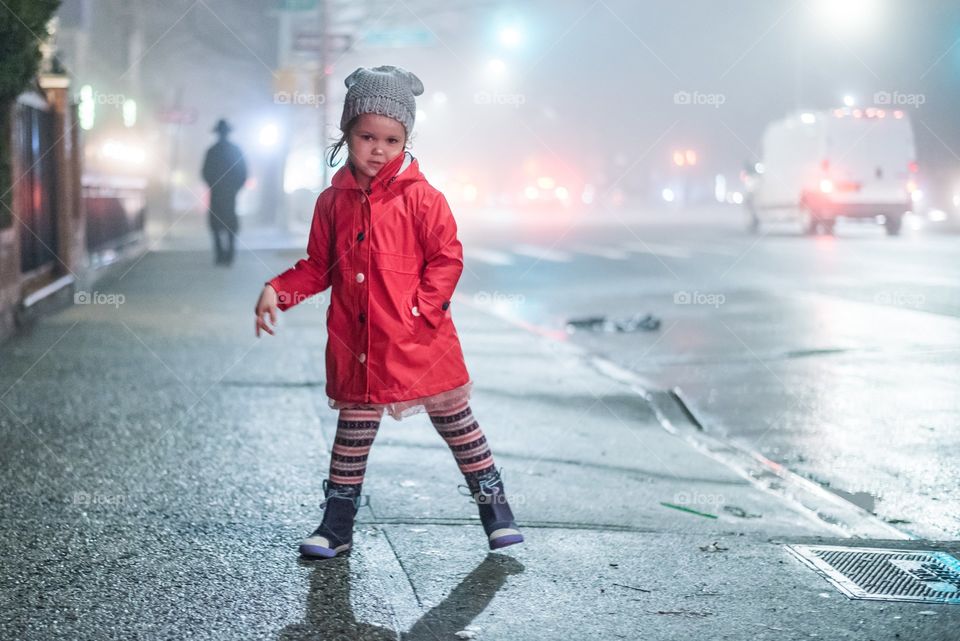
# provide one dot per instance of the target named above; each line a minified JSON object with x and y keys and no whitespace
{"x":387,"y":90}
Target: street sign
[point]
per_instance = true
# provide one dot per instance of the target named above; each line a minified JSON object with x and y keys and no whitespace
{"x":313,"y":41}
{"x":399,"y":38}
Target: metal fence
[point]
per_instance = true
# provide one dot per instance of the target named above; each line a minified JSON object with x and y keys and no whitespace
{"x":35,"y":188}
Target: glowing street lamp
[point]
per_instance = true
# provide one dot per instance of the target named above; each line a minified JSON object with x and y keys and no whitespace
{"x":269,"y":135}
{"x":848,"y":17}
{"x":496,"y":66}
{"x":510,"y":37}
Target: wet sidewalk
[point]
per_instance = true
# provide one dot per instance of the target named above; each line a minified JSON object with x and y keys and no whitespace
{"x":161,"y":465}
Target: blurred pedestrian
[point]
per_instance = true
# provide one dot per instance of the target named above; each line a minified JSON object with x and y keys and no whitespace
{"x":386,"y":241}
{"x":224,"y":171}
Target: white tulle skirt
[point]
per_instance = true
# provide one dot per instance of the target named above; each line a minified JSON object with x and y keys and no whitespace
{"x":443,"y":402}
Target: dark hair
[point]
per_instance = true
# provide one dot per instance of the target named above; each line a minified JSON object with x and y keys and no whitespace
{"x":333,"y":151}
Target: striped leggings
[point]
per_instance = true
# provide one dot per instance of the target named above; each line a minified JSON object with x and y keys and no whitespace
{"x":357,"y":427}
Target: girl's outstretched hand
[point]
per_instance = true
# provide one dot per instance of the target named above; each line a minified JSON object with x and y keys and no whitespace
{"x":267,"y":305}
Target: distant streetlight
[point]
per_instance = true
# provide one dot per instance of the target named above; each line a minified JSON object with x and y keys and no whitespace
{"x":269,"y":135}
{"x":843,"y":19}
{"x":129,"y":113}
{"x":685,"y":158}
{"x":496,"y":66}
{"x":87,"y":109}
{"x":848,"y":17}
{"x":510,"y":37}
{"x":849,"y":101}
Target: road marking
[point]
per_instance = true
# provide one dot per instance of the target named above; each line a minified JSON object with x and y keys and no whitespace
{"x":656,"y":249}
{"x":600,"y":250}
{"x":542,"y":253}
{"x":722,"y":251}
{"x":507,"y":316}
{"x":489,"y":256}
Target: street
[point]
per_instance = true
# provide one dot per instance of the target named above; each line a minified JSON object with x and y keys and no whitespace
{"x":350,"y":320}
{"x":835,"y":356}
{"x":162,"y":465}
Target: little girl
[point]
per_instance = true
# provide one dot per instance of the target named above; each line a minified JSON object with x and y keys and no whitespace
{"x":385,"y":240}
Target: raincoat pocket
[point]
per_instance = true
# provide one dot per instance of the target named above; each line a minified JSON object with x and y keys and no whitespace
{"x":393,"y":262}
{"x":416,"y":322}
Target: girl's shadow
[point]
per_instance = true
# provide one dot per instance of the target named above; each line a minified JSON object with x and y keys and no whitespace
{"x":329,"y":616}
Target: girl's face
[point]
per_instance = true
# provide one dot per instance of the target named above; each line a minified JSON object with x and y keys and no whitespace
{"x":374,"y":141}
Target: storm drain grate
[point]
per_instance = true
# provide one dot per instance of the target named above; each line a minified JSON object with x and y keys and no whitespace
{"x":885,"y":575}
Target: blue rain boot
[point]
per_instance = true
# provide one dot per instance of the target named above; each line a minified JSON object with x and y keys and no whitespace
{"x":495,"y":514}
{"x":335,"y":532}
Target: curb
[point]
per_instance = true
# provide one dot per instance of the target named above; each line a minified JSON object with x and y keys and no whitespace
{"x":675,"y":415}
{"x":809,"y":498}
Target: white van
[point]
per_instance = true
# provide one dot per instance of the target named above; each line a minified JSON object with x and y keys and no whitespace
{"x":819,"y":166}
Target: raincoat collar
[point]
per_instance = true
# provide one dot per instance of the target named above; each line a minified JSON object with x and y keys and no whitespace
{"x":403,"y":167}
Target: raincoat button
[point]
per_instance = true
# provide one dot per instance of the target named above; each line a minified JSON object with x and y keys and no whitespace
{"x":416,"y":312}
{"x":363,"y":317}
{"x":445,"y":305}
{"x":362,"y":357}
{"x":360,"y":236}
{"x":359,"y":277}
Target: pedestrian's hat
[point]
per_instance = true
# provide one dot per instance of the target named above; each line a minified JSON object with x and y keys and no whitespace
{"x":386,"y":90}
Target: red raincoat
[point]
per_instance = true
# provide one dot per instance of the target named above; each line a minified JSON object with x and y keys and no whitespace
{"x":393,"y":259}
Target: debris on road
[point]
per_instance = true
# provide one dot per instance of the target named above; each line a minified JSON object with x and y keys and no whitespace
{"x":687,"y":509}
{"x":685,"y":613}
{"x":637,"y":322}
{"x":740,"y":512}
{"x":713,"y":547}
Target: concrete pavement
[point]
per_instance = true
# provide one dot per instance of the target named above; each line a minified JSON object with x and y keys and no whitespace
{"x":161,"y":465}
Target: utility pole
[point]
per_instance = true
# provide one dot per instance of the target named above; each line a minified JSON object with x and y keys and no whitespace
{"x":323,"y":84}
